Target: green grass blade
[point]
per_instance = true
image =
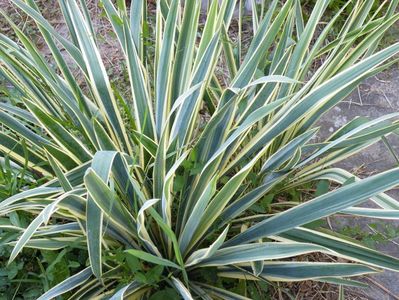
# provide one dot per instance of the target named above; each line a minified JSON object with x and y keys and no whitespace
{"x":152,"y":258}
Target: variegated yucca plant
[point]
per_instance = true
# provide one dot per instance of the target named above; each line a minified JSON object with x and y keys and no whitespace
{"x":167,"y":175}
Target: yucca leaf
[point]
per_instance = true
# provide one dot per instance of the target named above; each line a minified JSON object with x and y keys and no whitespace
{"x":246,"y":201}
{"x":304,"y":40}
{"x":222,"y":293}
{"x":101,"y":164}
{"x":116,"y":21}
{"x":99,"y":79}
{"x":65,"y":184}
{"x":23,"y":155}
{"x":342,"y":245}
{"x":228,"y":53}
{"x":185,"y":49}
{"x":372,"y":213}
{"x":142,"y":230}
{"x":137,"y":15}
{"x":75,"y":148}
{"x":72,"y":49}
{"x":62,"y":157}
{"x":174,"y":171}
{"x":163,"y":85}
{"x":67,"y":285}
{"x":159,"y":171}
{"x":143,"y":233}
{"x":354,"y":140}
{"x":212,"y":162}
{"x":202,"y":254}
{"x":196,"y":215}
{"x":258,"y":252}
{"x":103,"y":197}
{"x":141,"y":97}
{"x":221,"y":199}
{"x":343,"y":282}
{"x":103,"y":140}
{"x":342,"y":176}
{"x":53,"y":244}
{"x":184,"y":122}
{"x":74,"y":175}
{"x":253,"y":57}
{"x":75,"y":89}
{"x":368,"y":42}
{"x":19,"y":112}
{"x":286,"y":117}
{"x":319,"y":207}
{"x":262,"y":30}
{"x":53,"y":229}
{"x":298,"y":271}
{"x":150,"y":145}
{"x":204,"y":63}
{"x":283,"y":44}
{"x":184,"y":292}
{"x":16,"y":125}
{"x":130,"y":288}
{"x":287,"y":151}
{"x":35,"y":192}
{"x":43,"y":217}
{"x":166,"y":200}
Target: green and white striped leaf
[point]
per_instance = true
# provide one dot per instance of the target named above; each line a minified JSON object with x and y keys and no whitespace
{"x":67,"y":285}
{"x":297,"y":271}
{"x":346,"y":247}
{"x":322,"y":206}
{"x":258,"y":252}
{"x":184,"y":292}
